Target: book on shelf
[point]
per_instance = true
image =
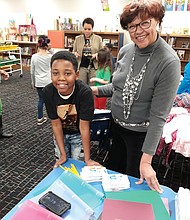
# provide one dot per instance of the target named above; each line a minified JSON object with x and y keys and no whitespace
{"x":181,"y":54}
{"x":106,"y":41}
{"x":69,"y":41}
{"x":172,"y":41}
{"x":185,"y":44}
{"x":26,"y":62}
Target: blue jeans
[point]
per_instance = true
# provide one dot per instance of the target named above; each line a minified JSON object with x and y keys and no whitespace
{"x":73,"y":145}
{"x":40,"y":102}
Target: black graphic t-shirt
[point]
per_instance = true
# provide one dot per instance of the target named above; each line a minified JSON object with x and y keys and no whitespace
{"x":86,"y":54}
{"x":80,"y":105}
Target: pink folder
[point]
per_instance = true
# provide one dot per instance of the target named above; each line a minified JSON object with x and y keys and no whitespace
{"x":124,"y":210}
{"x":29,"y":210}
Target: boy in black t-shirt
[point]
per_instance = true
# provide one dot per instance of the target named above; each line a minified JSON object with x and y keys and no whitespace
{"x":69,"y":104}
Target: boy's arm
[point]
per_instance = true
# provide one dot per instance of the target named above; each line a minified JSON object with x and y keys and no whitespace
{"x":84,"y":127}
{"x":59,"y":137}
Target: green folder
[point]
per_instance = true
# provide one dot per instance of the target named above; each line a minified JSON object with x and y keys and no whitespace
{"x":143,"y":196}
{"x":91,"y":196}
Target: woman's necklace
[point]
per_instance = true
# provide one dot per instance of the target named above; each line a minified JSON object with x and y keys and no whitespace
{"x":132,"y":85}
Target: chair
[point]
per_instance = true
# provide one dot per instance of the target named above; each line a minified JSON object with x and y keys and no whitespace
{"x":100,"y":131}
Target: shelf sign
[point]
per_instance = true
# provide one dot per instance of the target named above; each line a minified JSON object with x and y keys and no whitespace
{"x":105,"y":5}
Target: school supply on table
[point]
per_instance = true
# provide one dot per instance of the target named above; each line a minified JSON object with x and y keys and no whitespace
{"x":115,"y":182}
{"x":125,"y":210}
{"x":82,"y":189}
{"x":93,"y":173}
{"x":79,"y":209}
{"x":30,"y":210}
{"x":72,"y":169}
{"x":143,"y":196}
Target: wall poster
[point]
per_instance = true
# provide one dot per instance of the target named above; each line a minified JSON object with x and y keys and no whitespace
{"x":169,"y":5}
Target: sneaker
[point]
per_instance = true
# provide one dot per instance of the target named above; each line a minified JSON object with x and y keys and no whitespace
{"x":41,"y":121}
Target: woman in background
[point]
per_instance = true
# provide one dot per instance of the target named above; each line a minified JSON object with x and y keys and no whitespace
{"x":103,"y":75}
{"x":85,"y":48}
{"x":41,"y":73}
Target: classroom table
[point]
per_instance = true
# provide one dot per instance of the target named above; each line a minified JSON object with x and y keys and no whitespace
{"x":55,"y":173}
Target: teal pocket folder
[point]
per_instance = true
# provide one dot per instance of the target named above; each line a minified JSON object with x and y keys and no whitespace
{"x":144,"y":196}
{"x":82,"y":189}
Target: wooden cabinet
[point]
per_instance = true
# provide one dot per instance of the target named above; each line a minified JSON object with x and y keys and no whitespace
{"x":181,"y":44}
{"x":27,"y":49}
{"x":65,"y":39}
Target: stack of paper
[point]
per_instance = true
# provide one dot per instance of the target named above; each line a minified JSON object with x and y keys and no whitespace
{"x":182,"y":204}
{"x":93,"y":173}
{"x":115,"y":182}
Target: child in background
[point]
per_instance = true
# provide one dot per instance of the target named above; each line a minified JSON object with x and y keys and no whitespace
{"x":69,"y":105}
{"x":103,"y":75}
{"x":40,"y":73}
{"x":109,"y":46}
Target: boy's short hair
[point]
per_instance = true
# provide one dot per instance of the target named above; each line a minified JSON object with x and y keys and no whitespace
{"x":65,"y":55}
{"x":88,"y":21}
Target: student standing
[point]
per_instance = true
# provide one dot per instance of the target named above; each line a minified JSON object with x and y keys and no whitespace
{"x":85,"y":48}
{"x":3,"y":134}
{"x":69,"y":104}
{"x":40,"y":73}
{"x":103,"y":75}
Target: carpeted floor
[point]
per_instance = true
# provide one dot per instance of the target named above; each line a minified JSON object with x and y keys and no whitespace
{"x":27,"y":157}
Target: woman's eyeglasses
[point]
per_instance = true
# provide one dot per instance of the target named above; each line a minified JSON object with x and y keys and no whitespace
{"x":143,"y":24}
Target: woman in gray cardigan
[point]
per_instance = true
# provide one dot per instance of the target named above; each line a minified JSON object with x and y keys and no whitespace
{"x":143,"y":89}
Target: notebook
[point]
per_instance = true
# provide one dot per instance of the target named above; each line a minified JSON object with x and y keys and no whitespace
{"x":125,"y":210}
{"x":30,"y":210}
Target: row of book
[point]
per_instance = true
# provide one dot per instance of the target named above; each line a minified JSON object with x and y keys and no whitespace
{"x":26,"y":51}
{"x":26,"y":62}
{"x":173,"y":42}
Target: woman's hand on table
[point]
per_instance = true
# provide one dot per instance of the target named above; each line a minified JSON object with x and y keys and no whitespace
{"x":147,"y":173}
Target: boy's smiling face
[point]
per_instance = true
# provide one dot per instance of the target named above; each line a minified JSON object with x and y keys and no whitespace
{"x":63,"y":76}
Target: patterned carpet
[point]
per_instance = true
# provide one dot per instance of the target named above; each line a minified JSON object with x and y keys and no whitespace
{"x":27,"y":157}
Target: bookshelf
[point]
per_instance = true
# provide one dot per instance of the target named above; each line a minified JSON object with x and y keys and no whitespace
{"x":181,"y":44}
{"x":27,"y":49}
{"x":10,"y":60}
{"x":65,"y":39}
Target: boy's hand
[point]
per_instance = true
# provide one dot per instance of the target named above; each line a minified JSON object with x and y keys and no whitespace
{"x":61,"y":160}
{"x":92,"y":163}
